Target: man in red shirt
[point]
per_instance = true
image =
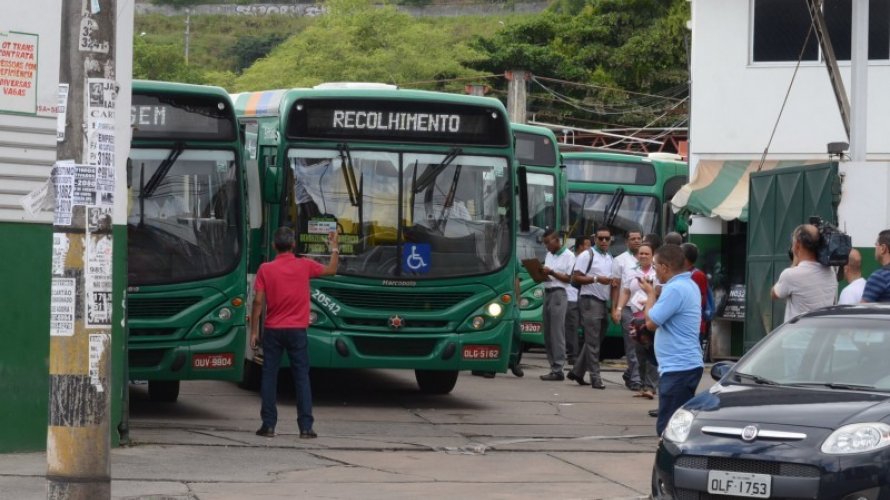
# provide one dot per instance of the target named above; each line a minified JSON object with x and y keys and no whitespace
{"x":282,"y":286}
{"x":690,"y":254}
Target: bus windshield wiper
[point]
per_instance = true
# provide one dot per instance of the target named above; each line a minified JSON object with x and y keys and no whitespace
{"x":429,"y":175}
{"x":156,"y":178}
{"x":348,"y":174}
{"x":612,"y":208}
{"x":449,"y":200}
{"x":837,"y":385}
{"x":756,"y":378}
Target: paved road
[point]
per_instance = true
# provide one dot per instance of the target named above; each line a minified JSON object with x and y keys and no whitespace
{"x":500,"y":438}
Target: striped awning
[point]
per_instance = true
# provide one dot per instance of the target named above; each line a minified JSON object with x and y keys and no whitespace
{"x":719,"y":188}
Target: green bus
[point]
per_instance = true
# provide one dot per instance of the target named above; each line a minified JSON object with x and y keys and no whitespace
{"x":419,"y":185}
{"x":186,"y":234}
{"x":537,"y":152}
{"x":624,"y":192}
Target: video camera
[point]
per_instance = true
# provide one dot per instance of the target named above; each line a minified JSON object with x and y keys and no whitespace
{"x":834,"y":245}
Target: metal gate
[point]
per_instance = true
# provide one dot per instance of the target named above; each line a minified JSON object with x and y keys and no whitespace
{"x":780,"y":200}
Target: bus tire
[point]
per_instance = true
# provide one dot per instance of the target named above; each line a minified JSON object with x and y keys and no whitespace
{"x":436,"y":381}
{"x":253,"y":376}
{"x":163,"y":391}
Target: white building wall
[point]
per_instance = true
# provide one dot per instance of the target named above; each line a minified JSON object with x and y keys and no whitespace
{"x":735,"y":103}
{"x":28,"y":142}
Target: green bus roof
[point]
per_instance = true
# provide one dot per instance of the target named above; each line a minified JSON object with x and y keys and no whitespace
{"x":271,"y":102}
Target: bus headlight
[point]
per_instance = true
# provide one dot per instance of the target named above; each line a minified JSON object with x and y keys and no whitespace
{"x":225,"y":314}
{"x":478,"y":322}
{"x":494,"y":309}
{"x":538,"y":293}
{"x":313,"y":317}
{"x":207,"y":328}
{"x":524,"y":302}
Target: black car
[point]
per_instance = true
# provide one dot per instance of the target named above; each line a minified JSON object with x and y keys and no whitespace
{"x":804,"y":414}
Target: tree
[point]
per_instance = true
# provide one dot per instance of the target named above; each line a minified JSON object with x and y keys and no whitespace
{"x":613,"y":45}
{"x":358,"y":41}
{"x":162,"y":62}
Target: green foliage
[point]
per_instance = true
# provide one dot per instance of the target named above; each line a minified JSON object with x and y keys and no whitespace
{"x":249,"y":48}
{"x":162,"y":62}
{"x":357,"y":41}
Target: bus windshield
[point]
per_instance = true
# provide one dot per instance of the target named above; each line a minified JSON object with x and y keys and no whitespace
{"x":183,"y":222}
{"x":542,"y":215}
{"x":411,"y":215}
{"x":589,"y":211}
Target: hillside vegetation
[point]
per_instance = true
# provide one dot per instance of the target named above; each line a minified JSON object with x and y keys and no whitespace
{"x":626,"y":59}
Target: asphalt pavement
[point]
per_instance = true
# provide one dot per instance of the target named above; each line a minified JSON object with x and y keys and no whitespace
{"x":379,"y":438}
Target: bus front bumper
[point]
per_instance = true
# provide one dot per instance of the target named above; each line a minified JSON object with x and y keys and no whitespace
{"x":486,"y":350}
{"x":216,"y":358}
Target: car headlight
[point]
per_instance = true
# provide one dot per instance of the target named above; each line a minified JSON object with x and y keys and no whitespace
{"x":857,"y":438}
{"x":679,"y":425}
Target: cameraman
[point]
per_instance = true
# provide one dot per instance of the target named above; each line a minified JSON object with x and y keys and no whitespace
{"x":807,"y":285}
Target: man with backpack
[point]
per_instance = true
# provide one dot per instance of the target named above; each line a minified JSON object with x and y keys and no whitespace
{"x":593,"y":271}
{"x":690,"y":256}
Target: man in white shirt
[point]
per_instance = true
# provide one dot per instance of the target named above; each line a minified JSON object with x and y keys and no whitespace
{"x":593,"y":272}
{"x":558,"y":266}
{"x":573,"y":314}
{"x":622,"y":264}
{"x":807,"y":285}
{"x":852,"y":293}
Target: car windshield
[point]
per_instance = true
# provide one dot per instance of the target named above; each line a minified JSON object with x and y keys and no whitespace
{"x":843,"y":353}
{"x":184,"y":219}
{"x":404,"y":214}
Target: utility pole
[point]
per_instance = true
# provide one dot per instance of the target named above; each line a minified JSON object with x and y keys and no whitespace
{"x":78,"y":435}
{"x":517,"y":95}
{"x":188,"y":25}
{"x":476,"y":89}
{"x":859,"y":82}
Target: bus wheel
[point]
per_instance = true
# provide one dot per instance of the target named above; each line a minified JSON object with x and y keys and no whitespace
{"x":253,"y":376}
{"x":163,"y":391}
{"x":436,"y":381}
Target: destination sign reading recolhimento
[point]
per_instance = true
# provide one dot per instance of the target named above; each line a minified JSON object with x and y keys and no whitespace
{"x":398,"y":121}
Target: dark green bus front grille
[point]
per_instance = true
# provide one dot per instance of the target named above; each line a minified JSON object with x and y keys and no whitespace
{"x":159,"y":307}
{"x":433,"y":301}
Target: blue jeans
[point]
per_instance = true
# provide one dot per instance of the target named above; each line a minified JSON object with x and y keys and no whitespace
{"x":674,"y":390}
{"x":296,"y":342}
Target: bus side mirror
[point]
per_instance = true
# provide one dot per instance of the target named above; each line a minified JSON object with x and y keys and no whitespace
{"x":272,"y":185}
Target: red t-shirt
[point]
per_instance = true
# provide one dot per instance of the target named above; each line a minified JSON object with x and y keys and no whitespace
{"x":701,"y":279}
{"x":286,"y":283}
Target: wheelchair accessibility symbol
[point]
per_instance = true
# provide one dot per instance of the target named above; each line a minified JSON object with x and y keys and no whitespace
{"x":416,"y":257}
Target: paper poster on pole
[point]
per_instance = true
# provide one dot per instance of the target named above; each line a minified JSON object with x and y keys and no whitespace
{"x":97,"y":268}
{"x":98,"y":344}
{"x":101,"y":97}
{"x":63,"y":187}
{"x":63,"y":299}
{"x":62,"y":114}
{"x":60,"y":253}
{"x":18,"y":72}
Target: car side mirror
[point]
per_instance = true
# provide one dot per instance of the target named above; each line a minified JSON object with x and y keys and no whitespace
{"x":720,"y":369}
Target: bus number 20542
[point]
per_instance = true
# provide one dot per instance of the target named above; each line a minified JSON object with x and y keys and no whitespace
{"x":326,"y":301}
